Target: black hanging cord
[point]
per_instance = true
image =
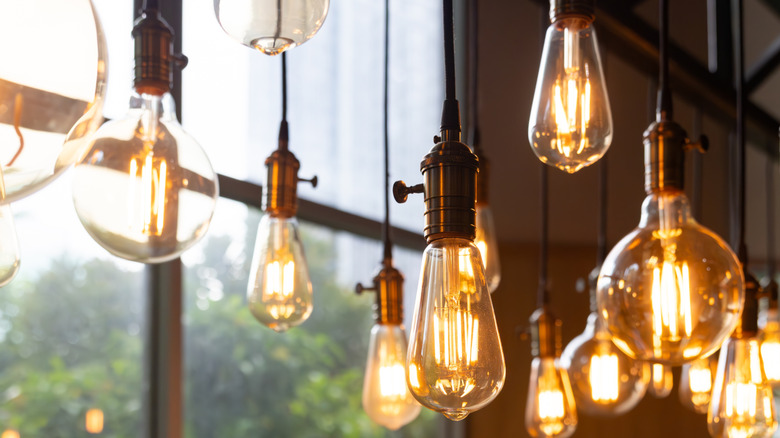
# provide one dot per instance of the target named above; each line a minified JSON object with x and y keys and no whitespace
{"x":450,"y":118}
{"x":150,"y":5}
{"x":386,"y":226}
{"x":739,"y":76}
{"x":664,"y":104}
{"x":696,"y":197}
{"x":473,"y":75}
{"x":542,"y":296}
{"x":770,"y":218}
{"x":283,"y":130}
{"x":601,"y":252}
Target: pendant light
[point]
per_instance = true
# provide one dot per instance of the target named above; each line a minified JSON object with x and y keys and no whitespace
{"x":671,"y":290}
{"x":279,"y":290}
{"x":146,"y":190}
{"x":605,"y":382}
{"x":769,"y":320}
{"x":455,"y":364}
{"x":386,"y":399}
{"x":550,"y":409}
{"x":570,"y":126}
{"x":742,"y":403}
{"x":486,"y":238}
{"x":51,"y":101}
{"x":271,"y":26}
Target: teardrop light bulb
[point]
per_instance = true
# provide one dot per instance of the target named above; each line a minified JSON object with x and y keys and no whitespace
{"x":696,"y":383}
{"x":570,"y":126}
{"x":146,"y":190}
{"x":605,"y":382}
{"x":550,"y":410}
{"x":386,"y":398}
{"x":661,"y":380}
{"x":271,"y":26}
{"x":671,"y":290}
{"x":279,"y":291}
{"x":455,"y":364}
{"x":487,"y":243}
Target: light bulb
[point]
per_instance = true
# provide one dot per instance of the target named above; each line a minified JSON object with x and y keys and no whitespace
{"x":606,"y":382}
{"x":279,"y":291}
{"x":455,"y":363}
{"x":661,"y":380}
{"x":487,"y":243}
{"x":570,"y":126}
{"x":769,"y":337}
{"x":742,"y":404}
{"x":386,"y":398}
{"x":146,"y":190}
{"x":271,"y":26}
{"x":696,"y":383}
{"x":550,"y":410}
{"x":670,"y":291}
{"x":51,"y":101}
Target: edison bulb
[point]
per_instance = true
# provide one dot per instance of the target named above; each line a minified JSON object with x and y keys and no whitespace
{"x":606,"y":382}
{"x":487,"y":243}
{"x":571,"y":122}
{"x":386,"y":399}
{"x":279,"y":291}
{"x":661,"y":380}
{"x":271,"y":26}
{"x":455,"y":364}
{"x":550,"y":410}
{"x":670,"y":291}
{"x":769,"y":338}
{"x":146,"y":190}
{"x":51,"y":101}
{"x":696,"y":384}
{"x":742,"y":404}
{"x":9,"y":246}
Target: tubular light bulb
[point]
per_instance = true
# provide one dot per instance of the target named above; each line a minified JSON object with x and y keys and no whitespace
{"x":606,"y":382}
{"x":271,"y":26}
{"x":386,"y":399}
{"x":146,"y":190}
{"x":742,"y":404}
{"x":661,"y":380}
{"x":571,"y":122}
{"x":279,"y":291}
{"x":769,"y":338}
{"x":696,"y":384}
{"x":455,"y":364}
{"x":670,"y":291}
{"x":487,"y":243}
{"x":550,"y":409}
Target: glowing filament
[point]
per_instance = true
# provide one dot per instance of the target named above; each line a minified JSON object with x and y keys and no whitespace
{"x":700,"y":380}
{"x":147,"y":181}
{"x":278,"y":289}
{"x":671,"y":301}
{"x":603,"y":376}
{"x":770,"y":354}
{"x":392,"y":380}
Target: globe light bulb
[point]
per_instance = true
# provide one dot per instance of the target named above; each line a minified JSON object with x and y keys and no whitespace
{"x":570,"y":126}
{"x":146,"y":190}
{"x":661,"y":380}
{"x":550,"y":409}
{"x":271,"y":26}
{"x":455,"y":363}
{"x":386,"y":398}
{"x":279,"y":291}
{"x":742,"y":404}
{"x":670,"y":291}
{"x":9,"y":246}
{"x":51,"y":101}
{"x":605,"y":382}
{"x":487,"y":243}
{"x":696,"y":384}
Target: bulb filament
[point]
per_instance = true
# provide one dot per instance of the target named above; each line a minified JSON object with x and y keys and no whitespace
{"x":770,"y":354}
{"x":571,"y":99}
{"x":551,"y":403}
{"x":146,"y":194}
{"x":671,"y":303}
{"x":700,"y":383}
{"x":278,"y":289}
{"x":603,"y":376}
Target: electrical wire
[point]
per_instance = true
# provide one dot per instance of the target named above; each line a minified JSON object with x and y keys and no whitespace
{"x":543,"y":296}
{"x":149,"y":5}
{"x":473,"y":16}
{"x":388,"y":250}
{"x":739,"y":78}
{"x":770,"y":219}
{"x":450,"y":117}
{"x":664,"y":109}
{"x":284,"y":135}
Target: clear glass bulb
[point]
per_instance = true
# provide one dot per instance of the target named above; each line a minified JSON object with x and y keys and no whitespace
{"x":606,"y":382}
{"x":279,"y":290}
{"x":571,"y":122}
{"x":661,"y":380}
{"x":770,"y":346}
{"x":455,"y":364}
{"x":696,"y":384}
{"x":487,"y":243}
{"x":742,"y":404}
{"x":386,"y":399}
{"x":550,"y":410}
{"x":271,"y":26}
{"x":9,"y":246}
{"x":670,"y":291}
{"x":51,"y":101}
{"x":146,"y":190}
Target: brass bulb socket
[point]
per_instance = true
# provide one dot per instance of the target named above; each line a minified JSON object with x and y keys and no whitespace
{"x":450,"y":181}
{"x":664,"y":142}
{"x":153,"y":40}
{"x":562,"y":9}
{"x":282,"y":183}
{"x":389,"y":286}
{"x":545,"y":334}
{"x":748,"y":325}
